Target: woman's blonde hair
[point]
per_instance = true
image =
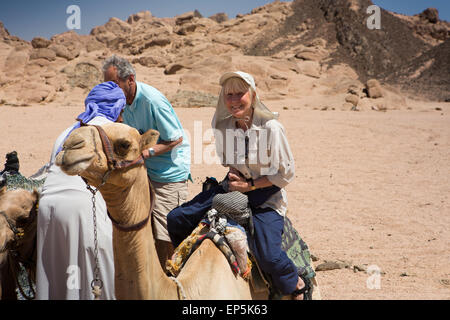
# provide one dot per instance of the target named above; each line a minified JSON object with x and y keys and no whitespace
{"x":235,"y":85}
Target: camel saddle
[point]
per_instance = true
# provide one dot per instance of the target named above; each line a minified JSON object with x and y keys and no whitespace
{"x":220,"y":224}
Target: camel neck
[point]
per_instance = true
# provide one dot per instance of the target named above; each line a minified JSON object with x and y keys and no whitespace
{"x":138,"y":273}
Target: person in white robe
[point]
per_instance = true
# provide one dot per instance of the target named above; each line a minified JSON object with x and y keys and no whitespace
{"x":65,"y":227}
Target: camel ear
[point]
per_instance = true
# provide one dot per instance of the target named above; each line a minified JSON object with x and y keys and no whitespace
{"x":149,"y":139}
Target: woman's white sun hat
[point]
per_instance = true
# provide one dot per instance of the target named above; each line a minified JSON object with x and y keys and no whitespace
{"x":238,"y":74}
{"x":260,"y":109}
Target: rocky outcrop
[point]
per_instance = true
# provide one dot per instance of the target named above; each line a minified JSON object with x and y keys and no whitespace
{"x":40,"y":42}
{"x":371,"y":53}
{"x":143,"y":15}
{"x":219,"y":17}
{"x":293,"y":49}
{"x":3,"y":31}
{"x":427,"y":26}
{"x":430,"y":15}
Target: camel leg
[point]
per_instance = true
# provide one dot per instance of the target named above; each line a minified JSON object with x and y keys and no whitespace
{"x":7,"y":285}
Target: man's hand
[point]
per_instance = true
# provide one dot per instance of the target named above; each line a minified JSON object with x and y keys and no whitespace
{"x":162,"y":147}
{"x":146,"y":154}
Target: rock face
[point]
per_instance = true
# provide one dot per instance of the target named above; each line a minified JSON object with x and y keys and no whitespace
{"x":293,"y":49}
{"x":371,"y":53}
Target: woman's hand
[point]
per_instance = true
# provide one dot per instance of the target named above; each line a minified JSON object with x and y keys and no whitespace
{"x":241,"y":186}
{"x":236,"y":182}
{"x":234,"y":171}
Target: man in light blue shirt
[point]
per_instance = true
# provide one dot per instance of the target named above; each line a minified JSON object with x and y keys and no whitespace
{"x":168,"y":162}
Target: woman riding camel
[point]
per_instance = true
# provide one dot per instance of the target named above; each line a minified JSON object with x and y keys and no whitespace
{"x":252,"y":143}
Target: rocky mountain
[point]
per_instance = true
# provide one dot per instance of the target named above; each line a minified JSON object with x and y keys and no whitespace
{"x":296,"y":50}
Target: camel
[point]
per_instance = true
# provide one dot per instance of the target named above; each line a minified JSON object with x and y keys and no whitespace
{"x":18,"y":213}
{"x":138,"y":273}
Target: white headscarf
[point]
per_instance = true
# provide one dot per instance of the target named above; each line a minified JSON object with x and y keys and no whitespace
{"x":260,"y":110}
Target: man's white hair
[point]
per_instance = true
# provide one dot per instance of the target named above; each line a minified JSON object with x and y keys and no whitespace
{"x":123,"y":66}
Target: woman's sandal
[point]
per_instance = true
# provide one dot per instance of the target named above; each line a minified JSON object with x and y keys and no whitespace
{"x":306,"y":290}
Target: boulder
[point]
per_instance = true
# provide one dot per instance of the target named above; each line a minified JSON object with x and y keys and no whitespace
{"x":71,"y":41}
{"x":43,"y":53}
{"x":187,"y":17}
{"x":84,"y":75}
{"x":63,"y":52}
{"x":333,"y":265}
{"x":173,"y":68}
{"x":353,"y":99}
{"x":430,"y":15}
{"x":219,"y":17}
{"x":40,"y":42}
{"x":374,"y":89}
{"x":143,"y":15}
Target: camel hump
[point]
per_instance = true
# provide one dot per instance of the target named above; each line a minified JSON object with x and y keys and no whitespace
{"x":203,"y":232}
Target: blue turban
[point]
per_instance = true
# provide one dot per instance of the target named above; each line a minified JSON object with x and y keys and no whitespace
{"x":105,"y":100}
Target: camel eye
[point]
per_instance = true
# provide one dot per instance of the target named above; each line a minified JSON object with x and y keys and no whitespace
{"x":121,"y":147}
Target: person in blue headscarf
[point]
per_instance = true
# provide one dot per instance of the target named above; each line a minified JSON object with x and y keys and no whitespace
{"x":65,"y":227}
{"x":104,"y":103}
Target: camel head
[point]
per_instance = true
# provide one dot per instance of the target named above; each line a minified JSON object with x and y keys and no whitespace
{"x":19,"y":207}
{"x":83,"y":153}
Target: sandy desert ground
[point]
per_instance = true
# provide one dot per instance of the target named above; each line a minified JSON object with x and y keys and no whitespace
{"x":372,"y":189}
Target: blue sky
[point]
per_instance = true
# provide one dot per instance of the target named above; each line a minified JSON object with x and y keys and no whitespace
{"x":30,"y":18}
